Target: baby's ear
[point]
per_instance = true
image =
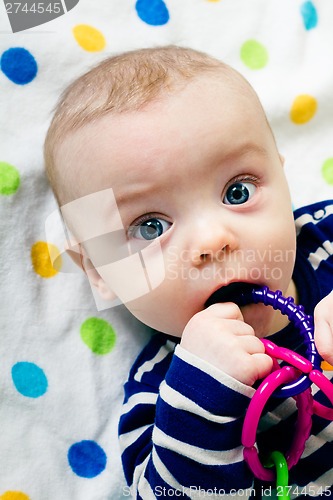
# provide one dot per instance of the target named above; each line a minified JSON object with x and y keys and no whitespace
{"x":74,"y":251}
{"x":77,"y":254}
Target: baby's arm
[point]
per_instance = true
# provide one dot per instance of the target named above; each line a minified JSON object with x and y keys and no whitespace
{"x":219,"y":336}
{"x":323,"y":319}
{"x":181,"y":426}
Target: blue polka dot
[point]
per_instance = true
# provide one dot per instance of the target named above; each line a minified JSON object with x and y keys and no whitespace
{"x":18,"y":65}
{"x":153,"y":12}
{"x":87,"y":459}
{"x":29,"y":379}
{"x":309,"y":14}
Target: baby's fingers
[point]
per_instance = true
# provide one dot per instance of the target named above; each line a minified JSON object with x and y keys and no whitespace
{"x":324,"y":340}
{"x":323,"y":333}
{"x":264,"y":365}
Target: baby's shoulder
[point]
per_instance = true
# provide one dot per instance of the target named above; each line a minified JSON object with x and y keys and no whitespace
{"x":315,"y":221}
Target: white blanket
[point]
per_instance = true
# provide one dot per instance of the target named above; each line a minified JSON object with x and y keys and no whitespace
{"x":61,"y":390}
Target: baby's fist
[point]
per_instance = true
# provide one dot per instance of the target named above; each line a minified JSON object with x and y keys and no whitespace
{"x":220,"y":336}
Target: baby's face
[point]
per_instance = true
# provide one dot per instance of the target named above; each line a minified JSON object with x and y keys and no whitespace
{"x":198,"y":177}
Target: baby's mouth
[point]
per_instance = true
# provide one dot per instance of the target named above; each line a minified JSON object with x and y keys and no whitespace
{"x":238,"y":292}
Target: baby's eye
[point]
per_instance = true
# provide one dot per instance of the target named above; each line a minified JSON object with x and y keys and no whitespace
{"x":239,"y":192}
{"x":150,"y":229}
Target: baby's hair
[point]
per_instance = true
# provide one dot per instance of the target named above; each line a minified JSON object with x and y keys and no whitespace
{"x":125,"y":83}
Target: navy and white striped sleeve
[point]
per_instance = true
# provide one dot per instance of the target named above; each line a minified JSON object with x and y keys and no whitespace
{"x":181,"y":426}
{"x":314,"y":228}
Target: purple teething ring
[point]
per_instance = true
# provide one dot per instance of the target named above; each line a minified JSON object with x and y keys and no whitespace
{"x":303,"y":423}
{"x":301,"y":321}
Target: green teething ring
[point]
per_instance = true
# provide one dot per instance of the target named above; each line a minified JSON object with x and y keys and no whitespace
{"x":282,"y":478}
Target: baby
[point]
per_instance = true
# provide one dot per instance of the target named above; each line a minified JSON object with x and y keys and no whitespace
{"x":174,"y":146}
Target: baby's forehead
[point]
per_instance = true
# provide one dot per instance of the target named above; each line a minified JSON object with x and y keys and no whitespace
{"x":75,"y":154}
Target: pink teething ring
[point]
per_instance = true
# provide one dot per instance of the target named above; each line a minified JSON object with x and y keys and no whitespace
{"x":303,"y":424}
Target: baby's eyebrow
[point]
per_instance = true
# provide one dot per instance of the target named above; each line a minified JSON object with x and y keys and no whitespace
{"x":132,"y":193}
{"x":245,"y":149}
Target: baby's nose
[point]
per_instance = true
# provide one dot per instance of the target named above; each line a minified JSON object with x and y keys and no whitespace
{"x":211,"y":241}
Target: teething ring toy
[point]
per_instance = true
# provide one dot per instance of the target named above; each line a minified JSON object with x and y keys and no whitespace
{"x":296,"y":386}
{"x":301,"y":321}
{"x":304,"y":365}
{"x":284,"y":375}
{"x":277,"y":460}
{"x":327,"y":388}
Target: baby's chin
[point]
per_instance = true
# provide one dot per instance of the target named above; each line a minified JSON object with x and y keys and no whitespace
{"x":160,"y":321}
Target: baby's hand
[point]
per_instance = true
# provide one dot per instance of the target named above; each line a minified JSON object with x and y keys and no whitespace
{"x":323,"y":333}
{"x":219,"y":335}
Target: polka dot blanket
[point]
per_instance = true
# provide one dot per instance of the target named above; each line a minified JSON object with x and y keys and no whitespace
{"x":64,"y":357}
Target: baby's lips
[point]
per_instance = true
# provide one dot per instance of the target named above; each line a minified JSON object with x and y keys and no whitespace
{"x":238,"y":292}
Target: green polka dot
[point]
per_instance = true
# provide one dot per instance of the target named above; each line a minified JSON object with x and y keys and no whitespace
{"x":254,"y":54}
{"x":9,"y":178}
{"x":98,"y":335}
{"x":327,"y":170}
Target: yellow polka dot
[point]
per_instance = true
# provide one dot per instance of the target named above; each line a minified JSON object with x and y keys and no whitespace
{"x":14,"y":495}
{"x":42,"y":256}
{"x":89,"y":38}
{"x":303,"y":109}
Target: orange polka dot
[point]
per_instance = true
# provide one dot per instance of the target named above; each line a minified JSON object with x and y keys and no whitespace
{"x":326,"y":366}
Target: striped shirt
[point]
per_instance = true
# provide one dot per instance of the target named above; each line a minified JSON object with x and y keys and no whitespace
{"x":180,"y":429}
